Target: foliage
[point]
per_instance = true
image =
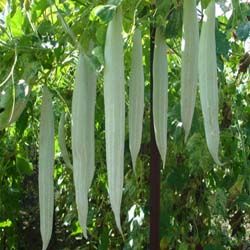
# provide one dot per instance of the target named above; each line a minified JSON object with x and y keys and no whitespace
{"x":203,"y":206}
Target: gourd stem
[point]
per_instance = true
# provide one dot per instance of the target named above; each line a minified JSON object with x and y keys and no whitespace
{"x":154,"y":163}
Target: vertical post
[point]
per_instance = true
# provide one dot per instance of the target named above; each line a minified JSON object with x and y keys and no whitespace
{"x":154,"y":163}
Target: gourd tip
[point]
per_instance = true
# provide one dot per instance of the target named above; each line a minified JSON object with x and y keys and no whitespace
{"x":45,"y":246}
{"x":85,"y":233}
{"x":164,"y":163}
{"x":134,"y":165}
{"x":186,"y":137}
{"x":118,"y":223}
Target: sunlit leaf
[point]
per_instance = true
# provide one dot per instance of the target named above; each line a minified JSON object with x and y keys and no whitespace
{"x":7,"y":223}
{"x":16,"y":22}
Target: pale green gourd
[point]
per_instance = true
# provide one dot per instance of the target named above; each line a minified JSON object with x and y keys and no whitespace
{"x":160,"y":93}
{"x":189,"y":67}
{"x":208,"y":81}
{"x":6,"y":103}
{"x":46,"y":167}
{"x":83,"y":135}
{"x":136,"y":98}
{"x":22,"y":96}
{"x":114,"y":100}
{"x":62,"y":142}
{"x":9,"y":115}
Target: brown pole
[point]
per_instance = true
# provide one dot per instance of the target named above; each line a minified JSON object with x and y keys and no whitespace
{"x":154,"y":164}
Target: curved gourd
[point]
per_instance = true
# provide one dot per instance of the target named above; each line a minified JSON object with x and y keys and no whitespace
{"x":8,"y":115}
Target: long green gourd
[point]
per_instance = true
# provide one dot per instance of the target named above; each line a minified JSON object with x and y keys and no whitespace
{"x":160,"y":93}
{"x":83,"y":135}
{"x":136,"y":97}
{"x":46,"y":167}
{"x":208,"y":81}
{"x":189,"y":67}
{"x":62,"y":142}
{"x":22,"y":93}
{"x":6,"y":102}
{"x":114,"y":100}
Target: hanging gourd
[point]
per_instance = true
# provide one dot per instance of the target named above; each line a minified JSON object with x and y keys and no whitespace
{"x":83,"y":135}
{"x":114,"y":102}
{"x":208,"y":81}
{"x":11,"y":110}
{"x":160,"y":93}
{"x":189,"y":66}
{"x":136,"y":97}
{"x":46,"y":167}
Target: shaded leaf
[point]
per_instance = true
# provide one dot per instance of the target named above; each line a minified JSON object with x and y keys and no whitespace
{"x":103,"y":13}
{"x":24,"y":166}
{"x":243,"y":31}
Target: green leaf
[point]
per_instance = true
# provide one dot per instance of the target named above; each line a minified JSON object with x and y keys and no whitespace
{"x":243,"y":31}
{"x":245,"y":10}
{"x":100,"y":34}
{"x":163,"y":7}
{"x":16,"y":22}
{"x":2,"y":4}
{"x":7,"y":223}
{"x":24,"y":166}
{"x":22,"y":123}
{"x":45,"y":28}
{"x":98,"y":56}
{"x":183,"y":246}
{"x":222,"y":44}
{"x":77,"y":229}
{"x":174,"y":26}
{"x":177,"y":179}
{"x":103,"y":13}
{"x":243,"y":200}
{"x":104,"y":239}
{"x":164,"y":243}
{"x":41,"y":5}
{"x":213,"y":247}
{"x":218,"y":202}
{"x":38,"y":8}
{"x":236,"y":189}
